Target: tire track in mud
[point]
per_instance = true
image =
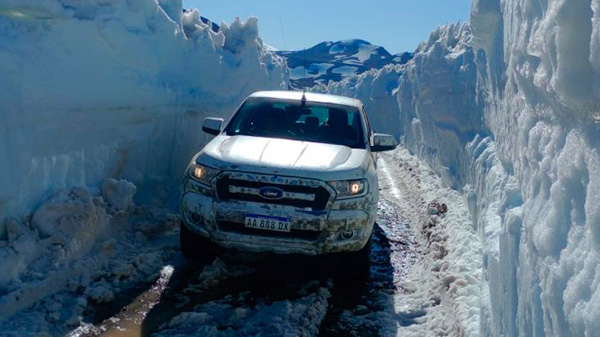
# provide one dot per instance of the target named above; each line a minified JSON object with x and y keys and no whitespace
{"x":403,"y":192}
{"x":369,"y":310}
{"x":435,"y":281}
{"x":262,"y":279}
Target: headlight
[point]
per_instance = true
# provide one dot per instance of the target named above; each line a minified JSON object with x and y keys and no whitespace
{"x":350,"y":188}
{"x":201,"y":173}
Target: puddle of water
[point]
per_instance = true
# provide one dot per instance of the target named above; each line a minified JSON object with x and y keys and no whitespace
{"x":128,"y":323}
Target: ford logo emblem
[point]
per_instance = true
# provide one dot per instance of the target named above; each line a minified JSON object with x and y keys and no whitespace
{"x":270,"y":192}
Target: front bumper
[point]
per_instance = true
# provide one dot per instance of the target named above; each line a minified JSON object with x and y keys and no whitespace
{"x":312,"y":232}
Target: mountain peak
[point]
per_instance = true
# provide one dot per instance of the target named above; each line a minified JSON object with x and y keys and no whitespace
{"x":335,"y":60}
{"x":354,"y":41}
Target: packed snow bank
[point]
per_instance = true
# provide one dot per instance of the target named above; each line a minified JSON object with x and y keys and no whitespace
{"x":531,"y":171}
{"x":543,"y":111}
{"x":95,"y":89}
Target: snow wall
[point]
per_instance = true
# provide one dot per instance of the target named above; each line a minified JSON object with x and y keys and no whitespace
{"x":376,"y":88}
{"x":91,"y":89}
{"x":97,"y":89}
{"x":507,"y":109}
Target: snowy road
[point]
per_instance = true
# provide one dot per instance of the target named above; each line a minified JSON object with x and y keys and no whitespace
{"x":245,"y":297}
{"x":250,"y":295}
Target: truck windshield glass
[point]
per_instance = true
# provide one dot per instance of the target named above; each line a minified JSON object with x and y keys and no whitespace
{"x":322,"y":123}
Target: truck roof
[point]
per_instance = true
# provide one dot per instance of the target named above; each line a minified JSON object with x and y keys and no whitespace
{"x":310,"y":97}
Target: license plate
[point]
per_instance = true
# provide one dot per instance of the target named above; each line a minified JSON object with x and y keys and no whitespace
{"x":269,"y":223}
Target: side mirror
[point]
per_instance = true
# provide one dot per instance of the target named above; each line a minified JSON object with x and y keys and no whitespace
{"x":383,"y":142}
{"x":212,"y":125}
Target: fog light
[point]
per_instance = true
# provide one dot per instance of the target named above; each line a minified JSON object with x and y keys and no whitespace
{"x":347,"y":234}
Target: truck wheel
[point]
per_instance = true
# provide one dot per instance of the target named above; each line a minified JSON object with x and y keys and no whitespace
{"x":194,"y":246}
{"x":357,"y":265}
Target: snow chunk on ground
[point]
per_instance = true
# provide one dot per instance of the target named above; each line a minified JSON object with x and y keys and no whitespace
{"x":118,"y":194}
{"x":70,"y":214}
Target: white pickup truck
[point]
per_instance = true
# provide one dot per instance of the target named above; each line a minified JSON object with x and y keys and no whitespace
{"x":290,"y":172}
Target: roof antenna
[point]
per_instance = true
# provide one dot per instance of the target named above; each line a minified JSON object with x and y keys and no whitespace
{"x":304,"y":76}
{"x":284,"y":45}
{"x":304,"y":82}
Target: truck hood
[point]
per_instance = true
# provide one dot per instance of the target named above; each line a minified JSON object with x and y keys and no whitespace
{"x":246,"y":152}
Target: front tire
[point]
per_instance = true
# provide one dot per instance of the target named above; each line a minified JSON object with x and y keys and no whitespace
{"x":194,"y":246}
{"x":357,"y":265}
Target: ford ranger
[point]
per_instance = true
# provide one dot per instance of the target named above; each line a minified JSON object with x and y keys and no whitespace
{"x":290,"y":172}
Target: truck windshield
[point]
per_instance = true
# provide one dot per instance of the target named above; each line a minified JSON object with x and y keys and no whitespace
{"x":314,"y":122}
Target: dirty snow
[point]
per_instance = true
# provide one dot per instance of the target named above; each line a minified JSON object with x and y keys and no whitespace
{"x":233,"y":316}
{"x":79,"y":251}
{"x":442,"y":292}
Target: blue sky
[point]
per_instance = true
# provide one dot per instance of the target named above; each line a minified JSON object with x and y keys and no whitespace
{"x":397,"y":25}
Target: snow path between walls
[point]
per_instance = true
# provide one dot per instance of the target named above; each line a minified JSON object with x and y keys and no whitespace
{"x":442,"y":292}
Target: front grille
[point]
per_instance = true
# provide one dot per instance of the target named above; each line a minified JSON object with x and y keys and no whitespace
{"x":234,"y":227}
{"x":317,"y":203}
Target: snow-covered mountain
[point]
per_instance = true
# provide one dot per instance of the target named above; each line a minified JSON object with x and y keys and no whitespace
{"x":333,"y":61}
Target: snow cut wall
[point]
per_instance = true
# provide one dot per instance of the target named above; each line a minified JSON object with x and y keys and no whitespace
{"x":540,"y":76}
{"x":376,"y":89}
{"x":91,"y":89}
